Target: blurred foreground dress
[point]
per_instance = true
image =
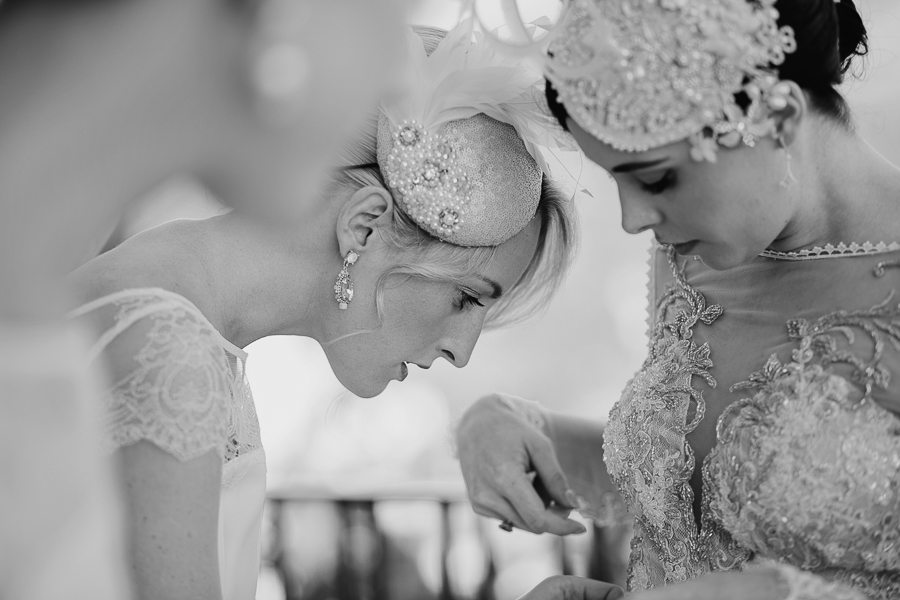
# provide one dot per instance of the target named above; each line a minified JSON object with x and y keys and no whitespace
{"x":60,"y":521}
{"x":804,"y":350}
{"x":84,"y":132}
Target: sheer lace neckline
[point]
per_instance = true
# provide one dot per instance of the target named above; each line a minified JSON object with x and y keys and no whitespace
{"x":156,"y":291}
{"x":833,"y":251}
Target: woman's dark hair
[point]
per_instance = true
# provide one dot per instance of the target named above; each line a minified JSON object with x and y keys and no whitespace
{"x":829,"y":36}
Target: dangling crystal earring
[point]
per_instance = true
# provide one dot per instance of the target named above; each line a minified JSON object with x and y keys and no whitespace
{"x":788,"y":180}
{"x":343,"y":287}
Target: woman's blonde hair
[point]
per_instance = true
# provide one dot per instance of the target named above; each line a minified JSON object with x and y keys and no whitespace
{"x":428,"y":257}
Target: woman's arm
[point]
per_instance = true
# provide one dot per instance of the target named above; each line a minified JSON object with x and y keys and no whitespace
{"x":172,"y":511}
{"x":167,"y":425}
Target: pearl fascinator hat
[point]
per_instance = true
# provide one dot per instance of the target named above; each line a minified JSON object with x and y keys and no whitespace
{"x":639,"y":74}
{"x":459,"y":146}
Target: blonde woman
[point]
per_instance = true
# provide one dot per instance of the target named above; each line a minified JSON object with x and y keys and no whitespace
{"x":439,"y":221}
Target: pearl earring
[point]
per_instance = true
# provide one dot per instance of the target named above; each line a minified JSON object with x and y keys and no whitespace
{"x":343,"y":286}
{"x":788,"y":180}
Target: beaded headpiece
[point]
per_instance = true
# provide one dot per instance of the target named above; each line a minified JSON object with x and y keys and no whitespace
{"x":459,"y":147}
{"x":639,"y":74}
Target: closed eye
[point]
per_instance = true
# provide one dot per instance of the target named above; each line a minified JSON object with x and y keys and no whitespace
{"x":467,"y":298}
{"x":658,"y":186}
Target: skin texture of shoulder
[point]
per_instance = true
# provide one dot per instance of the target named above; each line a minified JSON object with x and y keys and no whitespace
{"x":168,"y":256}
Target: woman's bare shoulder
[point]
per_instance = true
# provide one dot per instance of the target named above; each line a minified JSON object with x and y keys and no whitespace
{"x":167,"y":256}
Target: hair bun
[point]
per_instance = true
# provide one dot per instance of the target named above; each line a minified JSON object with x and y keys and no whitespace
{"x":853,"y":40}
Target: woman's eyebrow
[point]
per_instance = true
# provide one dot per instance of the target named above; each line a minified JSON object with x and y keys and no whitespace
{"x":634,"y":166}
{"x":496,"y":288}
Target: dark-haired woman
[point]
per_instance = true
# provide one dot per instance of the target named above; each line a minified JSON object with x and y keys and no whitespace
{"x":758,"y":447}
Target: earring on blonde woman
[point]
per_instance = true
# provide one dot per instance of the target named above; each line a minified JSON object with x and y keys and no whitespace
{"x":343,"y":286}
{"x":788,"y":180}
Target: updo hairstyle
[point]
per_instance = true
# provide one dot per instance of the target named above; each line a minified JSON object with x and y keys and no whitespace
{"x":829,"y":34}
{"x":426,"y":256}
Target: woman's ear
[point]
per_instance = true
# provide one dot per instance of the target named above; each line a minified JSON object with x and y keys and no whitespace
{"x":788,"y":107}
{"x":366,"y":211}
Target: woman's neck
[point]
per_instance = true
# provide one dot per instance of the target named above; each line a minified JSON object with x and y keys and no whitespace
{"x":846,"y":192}
{"x":265,"y":281}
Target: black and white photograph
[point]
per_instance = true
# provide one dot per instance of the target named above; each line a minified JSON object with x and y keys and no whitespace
{"x":449,"y":299}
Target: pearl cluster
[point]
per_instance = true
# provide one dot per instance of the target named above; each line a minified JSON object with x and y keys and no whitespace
{"x":639,"y":74}
{"x":422,"y":168}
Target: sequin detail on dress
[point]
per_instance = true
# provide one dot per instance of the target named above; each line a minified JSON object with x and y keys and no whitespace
{"x":805,"y":472}
{"x":817,"y":460}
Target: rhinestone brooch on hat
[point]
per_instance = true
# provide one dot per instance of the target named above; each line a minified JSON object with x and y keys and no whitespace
{"x":433,"y":190}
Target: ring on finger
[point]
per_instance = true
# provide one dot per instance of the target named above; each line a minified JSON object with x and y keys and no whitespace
{"x":506,"y":525}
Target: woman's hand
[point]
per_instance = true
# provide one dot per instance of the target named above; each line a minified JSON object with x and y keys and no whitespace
{"x":563,"y":587}
{"x":761,"y":584}
{"x":498,"y":452}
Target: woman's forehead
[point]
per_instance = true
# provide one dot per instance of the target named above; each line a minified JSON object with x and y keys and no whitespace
{"x":612,"y":159}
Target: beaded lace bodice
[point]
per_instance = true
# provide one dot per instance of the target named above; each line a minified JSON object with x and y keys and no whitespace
{"x":176,"y":381}
{"x":795,"y":359}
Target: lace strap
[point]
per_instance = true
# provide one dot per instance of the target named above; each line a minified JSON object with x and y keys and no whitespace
{"x":172,"y":381}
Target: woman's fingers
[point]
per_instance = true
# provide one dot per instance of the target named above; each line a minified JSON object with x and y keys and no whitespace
{"x":516,"y":500}
{"x":550,"y":476}
{"x":566,"y":587}
{"x":519,"y":491}
{"x":500,"y":509}
{"x":589,"y":589}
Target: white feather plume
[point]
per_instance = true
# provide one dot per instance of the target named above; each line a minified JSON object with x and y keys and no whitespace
{"x":466,"y":75}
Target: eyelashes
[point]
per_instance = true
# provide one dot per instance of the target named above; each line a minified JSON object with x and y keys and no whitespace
{"x":660,"y":185}
{"x":467,"y":299}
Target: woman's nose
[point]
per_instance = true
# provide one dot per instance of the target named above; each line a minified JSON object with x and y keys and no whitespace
{"x":638,"y":214}
{"x":458,"y":348}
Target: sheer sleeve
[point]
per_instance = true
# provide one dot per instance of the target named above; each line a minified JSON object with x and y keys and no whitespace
{"x":171,"y":383}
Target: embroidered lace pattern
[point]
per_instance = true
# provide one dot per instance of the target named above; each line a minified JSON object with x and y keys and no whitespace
{"x":645,"y":448}
{"x":806,"y":471}
{"x":177,"y":382}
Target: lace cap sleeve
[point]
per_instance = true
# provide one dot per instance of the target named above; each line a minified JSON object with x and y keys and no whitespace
{"x":170,"y":381}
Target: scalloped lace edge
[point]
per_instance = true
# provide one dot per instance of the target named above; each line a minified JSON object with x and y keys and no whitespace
{"x":832,"y":250}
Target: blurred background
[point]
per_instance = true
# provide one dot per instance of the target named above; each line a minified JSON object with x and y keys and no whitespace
{"x":366,"y":499}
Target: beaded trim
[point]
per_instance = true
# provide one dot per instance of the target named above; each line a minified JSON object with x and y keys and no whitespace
{"x":640,"y":74}
{"x":833,"y":251}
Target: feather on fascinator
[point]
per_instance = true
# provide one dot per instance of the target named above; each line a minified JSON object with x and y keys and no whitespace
{"x":460,"y":145}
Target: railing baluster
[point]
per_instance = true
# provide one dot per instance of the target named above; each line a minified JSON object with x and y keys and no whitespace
{"x":446,"y":593}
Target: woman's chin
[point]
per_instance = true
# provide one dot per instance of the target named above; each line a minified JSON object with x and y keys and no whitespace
{"x":366,"y":389}
{"x":723,"y":259}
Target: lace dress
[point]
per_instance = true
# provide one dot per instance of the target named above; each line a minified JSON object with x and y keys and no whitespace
{"x":179,"y":384}
{"x":790,"y":365}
